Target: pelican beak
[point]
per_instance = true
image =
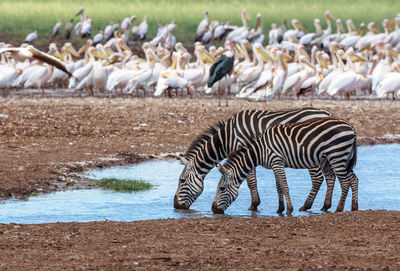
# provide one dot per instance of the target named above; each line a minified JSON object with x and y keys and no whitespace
{"x":322,"y":63}
{"x":94,"y":53}
{"x":397,"y":68}
{"x":341,"y":29}
{"x":83,"y":49}
{"x":206,"y":57}
{"x":246,"y":16}
{"x":300,"y":26}
{"x":72,"y":51}
{"x":239,"y":53}
{"x":304,"y":53}
{"x":360,"y":58}
{"x":247,"y":45}
{"x":101,"y":55}
{"x":364,"y":48}
{"x":390,"y":25}
{"x":309,"y":64}
{"x":286,"y":57}
{"x":375,"y":29}
{"x":393,"y":53}
{"x":329,"y":16}
{"x":265,"y":57}
{"x":123,"y":46}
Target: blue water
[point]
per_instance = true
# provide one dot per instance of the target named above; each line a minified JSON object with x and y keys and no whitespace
{"x":377,"y":169}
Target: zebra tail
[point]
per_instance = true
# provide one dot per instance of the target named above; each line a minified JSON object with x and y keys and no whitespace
{"x":353,"y":160}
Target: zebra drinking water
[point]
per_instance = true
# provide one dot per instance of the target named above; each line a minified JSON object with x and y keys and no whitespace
{"x":218,"y":141}
{"x":300,"y":145}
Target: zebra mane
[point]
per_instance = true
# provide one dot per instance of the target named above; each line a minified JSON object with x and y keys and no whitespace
{"x":233,"y":156}
{"x":204,"y":137}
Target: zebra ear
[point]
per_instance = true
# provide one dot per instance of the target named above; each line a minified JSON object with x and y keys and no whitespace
{"x":221,"y":169}
{"x":184,"y":161}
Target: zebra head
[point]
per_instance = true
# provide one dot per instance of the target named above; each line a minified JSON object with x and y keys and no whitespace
{"x":190,"y":185}
{"x":227,"y":190}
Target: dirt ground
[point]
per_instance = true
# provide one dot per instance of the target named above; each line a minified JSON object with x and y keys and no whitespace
{"x":45,"y":140}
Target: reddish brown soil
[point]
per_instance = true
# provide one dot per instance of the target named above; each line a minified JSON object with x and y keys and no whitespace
{"x":45,"y":141}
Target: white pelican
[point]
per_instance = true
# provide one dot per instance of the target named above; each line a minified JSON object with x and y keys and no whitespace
{"x":280,"y":74}
{"x":264,"y":79}
{"x":86,"y":29}
{"x":30,"y":52}
{"x":39,"y":77}
{"x":240,"y":32}
{"x":170,"y":79}
{"x":256,"y":35}
{"x":250,"y":75}
{"x":143,"y":28}
{"x":142,"y":78}
{"x":9,"y":74}
{"x":57,"y":28}
{"x":31,"y":37}
{"x":297,"y":32}
{"x":98,"y":38}
{"x":310,"y":37}
{"x":347,"y":81}
{"x":126,"y":23}
{"x":202,"y":28}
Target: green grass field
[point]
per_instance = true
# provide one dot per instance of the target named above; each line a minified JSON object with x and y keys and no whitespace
{"x":20,"y":17}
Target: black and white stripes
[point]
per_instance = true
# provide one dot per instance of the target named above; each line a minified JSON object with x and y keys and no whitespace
{"x":308,"y":145}
{"x":217,"y":142}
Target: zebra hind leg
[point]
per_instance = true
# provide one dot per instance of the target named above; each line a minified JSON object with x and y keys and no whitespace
{"x":252,"y":184}
{"x":345,"y":185}
{"x":317,"y":178}
{"x":330,"y":184}
{"x":354,"y":191}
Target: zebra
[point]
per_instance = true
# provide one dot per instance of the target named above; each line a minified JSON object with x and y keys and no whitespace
{"x":215,"y":144}
{"x":299,"y":145}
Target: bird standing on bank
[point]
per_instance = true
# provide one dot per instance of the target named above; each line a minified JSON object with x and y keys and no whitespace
{"x":222,"y":66}
{"x":68,"y":29}
{"x":31,"y":37}
{"x":57,"y":28}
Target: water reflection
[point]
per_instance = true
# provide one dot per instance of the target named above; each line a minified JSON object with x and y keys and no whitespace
{"x":377,"y":169}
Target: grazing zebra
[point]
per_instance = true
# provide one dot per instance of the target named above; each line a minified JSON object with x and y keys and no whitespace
{"x":299,"y":145}
{"x":218,"y":141}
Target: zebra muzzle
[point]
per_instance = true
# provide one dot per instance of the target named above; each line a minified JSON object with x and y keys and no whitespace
{"x":215,"y":208}
{"x":178,"y":205}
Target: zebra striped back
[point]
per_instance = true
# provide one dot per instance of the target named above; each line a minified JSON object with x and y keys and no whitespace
{"x":214,"y":145}
{"x":300,"y":145}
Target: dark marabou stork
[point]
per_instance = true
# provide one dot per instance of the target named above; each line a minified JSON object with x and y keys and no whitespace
{"x":222,"y":66}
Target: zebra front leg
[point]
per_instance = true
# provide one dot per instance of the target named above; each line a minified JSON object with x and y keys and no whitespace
{"x":281,"y":206}
{"x":330,"y":184}
{"x":252,"y":184}
{"x":316,"y":178}
{"x":280,"y":176}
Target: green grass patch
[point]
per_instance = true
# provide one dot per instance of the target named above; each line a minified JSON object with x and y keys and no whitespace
{"x":21,"y":17}
{"x":123,"y":185}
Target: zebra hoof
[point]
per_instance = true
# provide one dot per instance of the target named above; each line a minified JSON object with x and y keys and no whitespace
{"x":253,"y":208}
{"x":325,"y":208}
{"x":303,"y":209}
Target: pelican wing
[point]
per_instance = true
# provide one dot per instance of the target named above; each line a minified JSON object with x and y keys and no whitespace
{"x":51,"y":60}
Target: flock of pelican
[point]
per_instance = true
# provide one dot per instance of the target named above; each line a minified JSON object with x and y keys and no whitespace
{"x":324,"y":63}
